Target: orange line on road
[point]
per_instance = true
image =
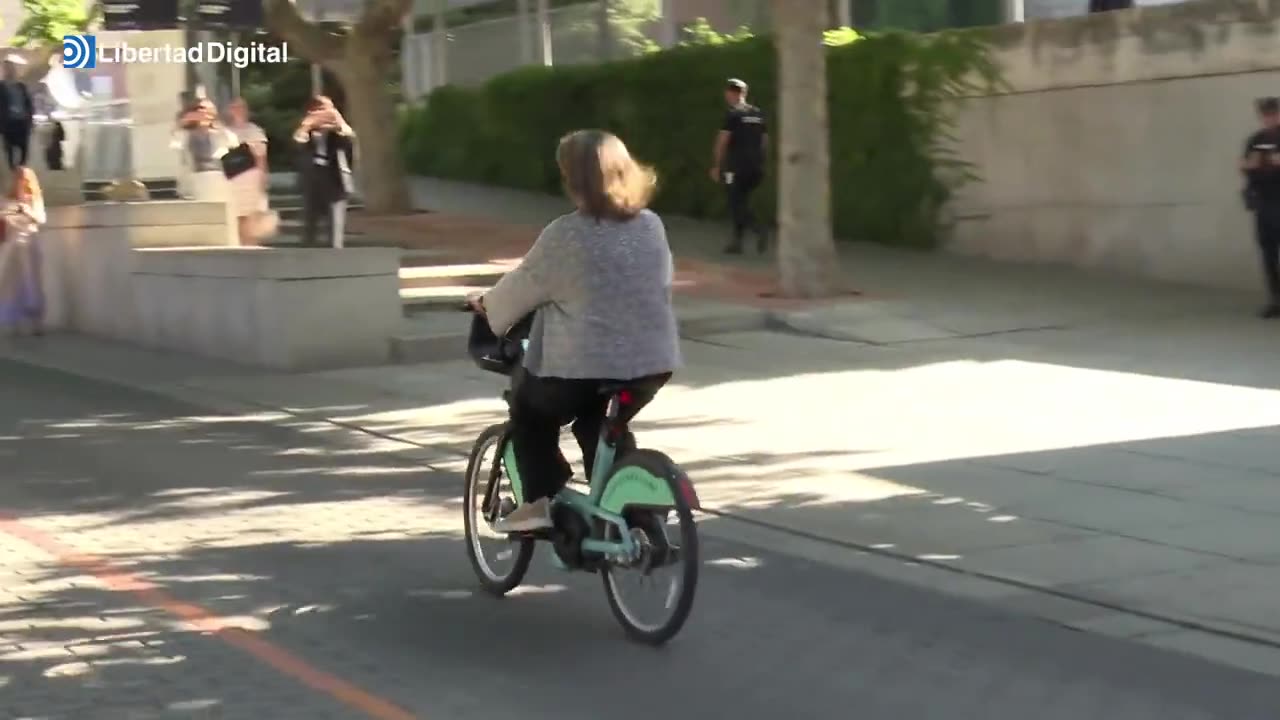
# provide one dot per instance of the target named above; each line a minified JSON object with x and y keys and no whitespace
{"x":204,"y":620}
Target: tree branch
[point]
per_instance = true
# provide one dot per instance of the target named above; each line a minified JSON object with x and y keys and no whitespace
{"x":381,"y":17}
{"x":312,"y":41}
{"x":38,"y":63}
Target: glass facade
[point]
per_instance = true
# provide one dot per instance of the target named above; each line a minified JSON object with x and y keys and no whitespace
{"x":926,"y":15}
{"x":932,"y":15}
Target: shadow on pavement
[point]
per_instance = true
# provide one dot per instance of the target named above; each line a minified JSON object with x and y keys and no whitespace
{"x":353,"y":563}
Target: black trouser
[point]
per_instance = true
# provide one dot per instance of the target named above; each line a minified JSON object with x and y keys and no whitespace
{"x":1268,"y":231}
{"x":743,"y":184}
{"x":540,"y":406}
{"x":17,"y":137}
{"x":317,"y":206}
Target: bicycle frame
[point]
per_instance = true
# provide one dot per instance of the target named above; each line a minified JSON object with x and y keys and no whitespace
{"x":585,"y":504}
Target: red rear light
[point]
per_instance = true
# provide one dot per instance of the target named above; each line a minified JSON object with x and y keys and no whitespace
{"x":624,"y":397}
{"x":690,"y":495}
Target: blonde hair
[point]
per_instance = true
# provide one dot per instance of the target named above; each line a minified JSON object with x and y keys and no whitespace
{"x":602,"y":178}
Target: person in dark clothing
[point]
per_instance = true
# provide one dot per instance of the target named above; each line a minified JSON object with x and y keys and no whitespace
{"x":53,"y":151}
{"x":1098,"y":6}
{"x":324,"y":141}
{"x":17,"y":113}
{"x":739,"y":160}
{"x":1261,"y":168}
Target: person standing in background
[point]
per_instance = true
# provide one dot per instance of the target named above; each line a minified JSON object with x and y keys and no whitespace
{"x":21,"y":293}
{"x":17,"y":113}
{"x":738,"y":161}
{"x":1261,"y":168}
{"x":203,"y":140}
{"x":324,"y":142}
{"x":249,"y":188}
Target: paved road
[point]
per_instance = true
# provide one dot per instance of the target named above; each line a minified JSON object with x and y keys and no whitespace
{"x":156,"y":562}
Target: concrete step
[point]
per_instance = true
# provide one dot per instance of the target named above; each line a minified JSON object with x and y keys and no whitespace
{"x":153,"y":184}
{"x":442,"y":297}
{"x":292,"y":228}
{"x":435,"y":336}
{"x":295,"y":210}
{"x":428,"y":276}
{"x":158,"y":189}
{"x":286,"y":240}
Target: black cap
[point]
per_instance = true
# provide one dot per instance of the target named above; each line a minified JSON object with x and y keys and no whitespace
{"x":1269,"y":106}
{"x":736,"y":84}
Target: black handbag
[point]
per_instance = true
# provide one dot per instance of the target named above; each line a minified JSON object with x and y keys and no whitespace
{"x":53,"y":151}
{"x":238,"y":160}
{"x":500,"y":355}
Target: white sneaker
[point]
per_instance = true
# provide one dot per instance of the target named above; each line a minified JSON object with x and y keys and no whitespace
{"x":527,"y":518}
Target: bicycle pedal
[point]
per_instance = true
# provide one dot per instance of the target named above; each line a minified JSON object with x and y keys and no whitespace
{"x":670,"y":556}
{"x":530,"y":535}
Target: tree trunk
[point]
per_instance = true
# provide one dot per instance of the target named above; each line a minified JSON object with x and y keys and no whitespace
{"x":807,"y":258}
{"x":544,"y":32}
{"x":440,"y":45}
{"x":372,"y":114}
{"x":525,"y":28}
{"x":362,"y":59}
{"x":604,"y":31}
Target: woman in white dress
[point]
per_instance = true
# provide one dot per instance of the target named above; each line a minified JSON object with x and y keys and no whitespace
{"x":203,"y":141}
{"x":21,"y":294}
{"x":249,"y":188}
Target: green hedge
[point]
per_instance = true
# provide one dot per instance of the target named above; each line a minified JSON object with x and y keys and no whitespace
{"x":889,"y":124}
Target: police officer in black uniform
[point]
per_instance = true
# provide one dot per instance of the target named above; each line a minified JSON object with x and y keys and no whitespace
{"x":1261,"y":167}
{"x":739,"y":161}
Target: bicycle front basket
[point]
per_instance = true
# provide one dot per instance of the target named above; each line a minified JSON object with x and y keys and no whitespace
{"x":495,"y":354}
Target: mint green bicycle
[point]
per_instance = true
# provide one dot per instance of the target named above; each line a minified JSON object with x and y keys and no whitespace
{"x":632,"y":523}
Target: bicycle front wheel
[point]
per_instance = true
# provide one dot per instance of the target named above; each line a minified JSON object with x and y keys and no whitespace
{"x":651,"y":595}
{"x":500,"y":562}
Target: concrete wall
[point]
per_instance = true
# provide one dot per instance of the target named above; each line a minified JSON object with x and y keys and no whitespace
{"x":167,"y":275}
{"x":287,"y":309}
{"x":152,"y":89}
{"x":88,"y":257}
{"x":1116,"y":144}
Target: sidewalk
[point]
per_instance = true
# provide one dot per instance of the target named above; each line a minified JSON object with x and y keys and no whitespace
{"x":1098,"y":451}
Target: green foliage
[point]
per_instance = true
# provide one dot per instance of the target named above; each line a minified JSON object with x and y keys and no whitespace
{"x":628,"y":20}
{"x":892,"y":95}
{"x":700,"y":32}
{"x":47,"y":21}
{"x":840,"y":36}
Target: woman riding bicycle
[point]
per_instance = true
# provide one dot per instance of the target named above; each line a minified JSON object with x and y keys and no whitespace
{"x":600,"y":281}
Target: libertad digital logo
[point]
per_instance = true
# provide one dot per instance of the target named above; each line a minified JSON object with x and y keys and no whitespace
{"x":79,"y":52}
{"x":241,"y":56}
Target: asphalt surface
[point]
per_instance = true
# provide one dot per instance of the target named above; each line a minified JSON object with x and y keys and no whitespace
{"x":135,"y":530}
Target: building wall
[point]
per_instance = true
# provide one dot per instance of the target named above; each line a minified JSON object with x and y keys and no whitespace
{"x":481,"y":50}
{"x":10,"y":19}
{"x":1117,"y":142}
{"x":1044,"y":9}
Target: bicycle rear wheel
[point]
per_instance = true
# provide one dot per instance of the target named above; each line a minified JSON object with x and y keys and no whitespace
{"x":667,"y":567}
{"x":500,"y":562}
